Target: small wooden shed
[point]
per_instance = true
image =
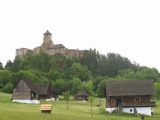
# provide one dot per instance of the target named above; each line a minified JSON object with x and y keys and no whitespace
{"x":81,"y":95}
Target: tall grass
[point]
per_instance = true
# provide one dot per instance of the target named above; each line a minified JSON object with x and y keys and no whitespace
{"x":77,"y":111}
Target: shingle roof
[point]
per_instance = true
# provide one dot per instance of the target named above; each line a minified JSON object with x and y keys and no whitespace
{"x":58,"y":46}
{"x":30,"y":85}
{"x":129,"y":87}
{"x":82,"y":93}
{"x":39,"y":88}
{"x":42,"y":88}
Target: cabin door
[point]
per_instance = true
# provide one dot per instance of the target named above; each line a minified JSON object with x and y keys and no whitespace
{"x":113,"y":102}
{"x":118,"y":102}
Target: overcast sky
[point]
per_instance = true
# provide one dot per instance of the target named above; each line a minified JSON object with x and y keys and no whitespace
{"x":128,"y":27}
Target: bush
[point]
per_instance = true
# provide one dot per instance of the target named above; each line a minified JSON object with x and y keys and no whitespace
{"x":7,"y":88}
{"x":102,"y":110}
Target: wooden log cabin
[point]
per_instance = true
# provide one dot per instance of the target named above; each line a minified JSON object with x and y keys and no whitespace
{"x":81,"y":96}
{"x":28,"y":92}
{"x":130,"y":96}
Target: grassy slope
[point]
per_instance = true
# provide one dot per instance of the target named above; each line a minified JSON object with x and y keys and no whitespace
{"x":76,"y":111}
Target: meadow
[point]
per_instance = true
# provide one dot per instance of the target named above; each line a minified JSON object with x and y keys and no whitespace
{"x":77,"y":111}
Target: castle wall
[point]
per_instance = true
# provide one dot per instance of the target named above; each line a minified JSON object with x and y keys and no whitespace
{"x":22,"y":51}
{"x":74,"y":53}
{"x":37,"y":49}
{"x":51,"y":49}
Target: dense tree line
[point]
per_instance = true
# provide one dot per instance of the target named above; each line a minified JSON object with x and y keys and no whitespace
{"x":73,"y":74}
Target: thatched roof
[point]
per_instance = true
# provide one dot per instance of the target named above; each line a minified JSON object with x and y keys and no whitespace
{"x":129,"y":87}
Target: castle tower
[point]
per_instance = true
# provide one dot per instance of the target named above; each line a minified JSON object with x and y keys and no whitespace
{"x":47,"y":40}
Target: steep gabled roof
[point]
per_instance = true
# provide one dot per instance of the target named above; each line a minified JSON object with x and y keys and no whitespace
{"x":30,"y":85}
{"x":39,"y":88}
{"x":129,"y":87}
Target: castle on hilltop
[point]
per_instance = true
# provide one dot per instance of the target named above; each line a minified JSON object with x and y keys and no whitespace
{"x":50,"y":48}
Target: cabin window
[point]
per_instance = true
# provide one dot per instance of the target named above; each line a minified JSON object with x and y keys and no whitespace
{"x":137,"y":99}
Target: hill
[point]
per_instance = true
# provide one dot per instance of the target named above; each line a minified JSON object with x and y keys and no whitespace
{"x":72,"y":73}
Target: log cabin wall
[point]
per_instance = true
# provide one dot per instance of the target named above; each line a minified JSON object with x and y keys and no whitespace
{"x":21,"y":95}
{"x":21,"y":91}
{"x":41,"y":96}
{"x":136,"y":99}
{"x":128,"y":100}
{"x":145,"y":99}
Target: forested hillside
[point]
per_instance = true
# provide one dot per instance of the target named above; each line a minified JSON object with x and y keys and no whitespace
{"x":75,"y":74}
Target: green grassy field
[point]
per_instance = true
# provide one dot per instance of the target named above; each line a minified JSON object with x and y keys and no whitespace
{"x":77,"y":111}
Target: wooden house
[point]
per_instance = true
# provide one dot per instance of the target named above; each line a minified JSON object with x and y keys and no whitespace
{"x":131,"y":96}
{"x":28,"y":92}
{"x":81,"y":95}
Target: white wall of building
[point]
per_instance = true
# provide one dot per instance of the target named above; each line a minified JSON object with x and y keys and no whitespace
{"x":27,"y":101}
{"x":140,"y":110}
{"x":110,"y":110}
